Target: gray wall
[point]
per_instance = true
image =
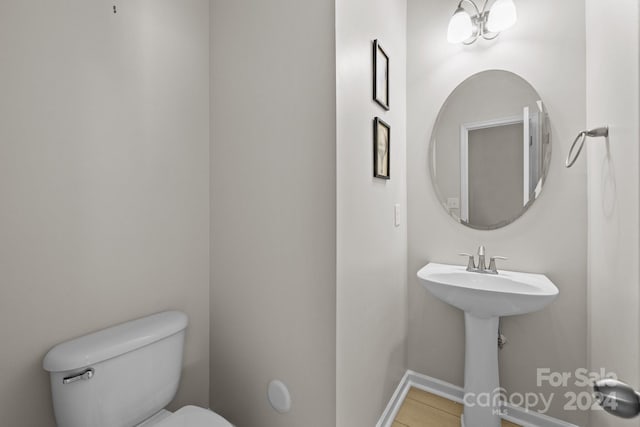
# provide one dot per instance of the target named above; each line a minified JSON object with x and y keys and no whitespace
{"x":273,"y":191}
{"x":372,"y":251}
{"x":504,"y":93}
{"x":613,"y":99}
{"x":104,"y":186}
{"x":550,"y":238}
{"x":496,"y":166}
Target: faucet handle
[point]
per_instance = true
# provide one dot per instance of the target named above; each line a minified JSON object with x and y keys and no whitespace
{"x":471,"y":264}
{"x":492,"y":263}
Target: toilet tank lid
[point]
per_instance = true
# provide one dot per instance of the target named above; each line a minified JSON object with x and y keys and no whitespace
{"x":114,"y":341}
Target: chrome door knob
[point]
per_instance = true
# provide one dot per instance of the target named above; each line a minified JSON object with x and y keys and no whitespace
{"x":617,"y":398}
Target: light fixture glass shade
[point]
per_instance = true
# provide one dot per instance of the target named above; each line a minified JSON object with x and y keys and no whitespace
{"x":460,"y":27}
{"x":502,"y":15}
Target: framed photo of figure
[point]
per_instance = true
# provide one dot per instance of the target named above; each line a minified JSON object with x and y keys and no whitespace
{"x":381,"y":149}
{"x":380,"y":75}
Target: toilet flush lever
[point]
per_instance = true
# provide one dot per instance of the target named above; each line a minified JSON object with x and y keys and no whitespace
{"x":87,"y":374}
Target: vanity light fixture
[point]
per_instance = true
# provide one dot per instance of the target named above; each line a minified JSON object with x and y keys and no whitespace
{"x":466,"y":28}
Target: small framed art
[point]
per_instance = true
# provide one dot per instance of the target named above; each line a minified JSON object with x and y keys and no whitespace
{"x":381,"y":149}
{"x":380,"y":75}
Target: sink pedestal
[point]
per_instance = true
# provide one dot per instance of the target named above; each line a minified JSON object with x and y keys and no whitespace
{"x":485,"y":298}
{"x":481,"y":380}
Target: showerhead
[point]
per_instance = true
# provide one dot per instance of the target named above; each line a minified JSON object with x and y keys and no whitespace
{"x":617,"y":398}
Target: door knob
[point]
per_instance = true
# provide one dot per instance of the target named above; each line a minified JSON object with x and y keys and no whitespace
{"x":617,"y":398}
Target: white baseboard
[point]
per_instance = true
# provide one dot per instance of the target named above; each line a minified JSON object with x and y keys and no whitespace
{"x":435,"y":386}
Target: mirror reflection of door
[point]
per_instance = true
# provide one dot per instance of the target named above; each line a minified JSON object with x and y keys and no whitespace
{"x":533,"y":153}
{"x":492,"y":107}
{"x":496,"y":173}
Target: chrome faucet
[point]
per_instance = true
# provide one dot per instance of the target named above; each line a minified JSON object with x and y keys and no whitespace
{"x":482,"y":265}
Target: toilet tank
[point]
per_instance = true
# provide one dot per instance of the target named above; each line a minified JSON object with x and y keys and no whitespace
{"x":119,"y":376}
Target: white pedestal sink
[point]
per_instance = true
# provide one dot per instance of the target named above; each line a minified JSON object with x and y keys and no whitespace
{"x":484,"y":298}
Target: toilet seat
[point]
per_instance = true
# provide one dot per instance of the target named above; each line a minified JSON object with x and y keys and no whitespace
{"x":193,"y":416}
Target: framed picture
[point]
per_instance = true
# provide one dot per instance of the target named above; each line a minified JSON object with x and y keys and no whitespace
{"x":381,"y":149}
{"x":380,"y":75}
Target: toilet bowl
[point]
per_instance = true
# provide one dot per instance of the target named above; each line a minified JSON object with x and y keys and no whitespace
{"x":124,"y":376}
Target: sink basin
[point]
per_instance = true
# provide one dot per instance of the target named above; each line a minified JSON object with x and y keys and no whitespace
{"x":488,"y":295}
{"x":484,"y":299}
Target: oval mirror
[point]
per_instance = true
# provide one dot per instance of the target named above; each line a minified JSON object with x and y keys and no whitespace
{"x":490,"y":150}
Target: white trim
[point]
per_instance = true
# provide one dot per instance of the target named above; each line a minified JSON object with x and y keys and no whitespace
{"x":464,"y":173}
{"x":493,"y":123}
{"x":455,"y":393}
{"x":395,"y":403}
{"x":526,"y":137}
{"x":464,"y":155}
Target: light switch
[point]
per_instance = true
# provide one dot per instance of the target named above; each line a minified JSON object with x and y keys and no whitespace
{"x":453,"y":203}
{"x":396,"y":214}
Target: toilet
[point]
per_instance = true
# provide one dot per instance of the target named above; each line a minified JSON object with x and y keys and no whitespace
{"x":124,"y":376}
